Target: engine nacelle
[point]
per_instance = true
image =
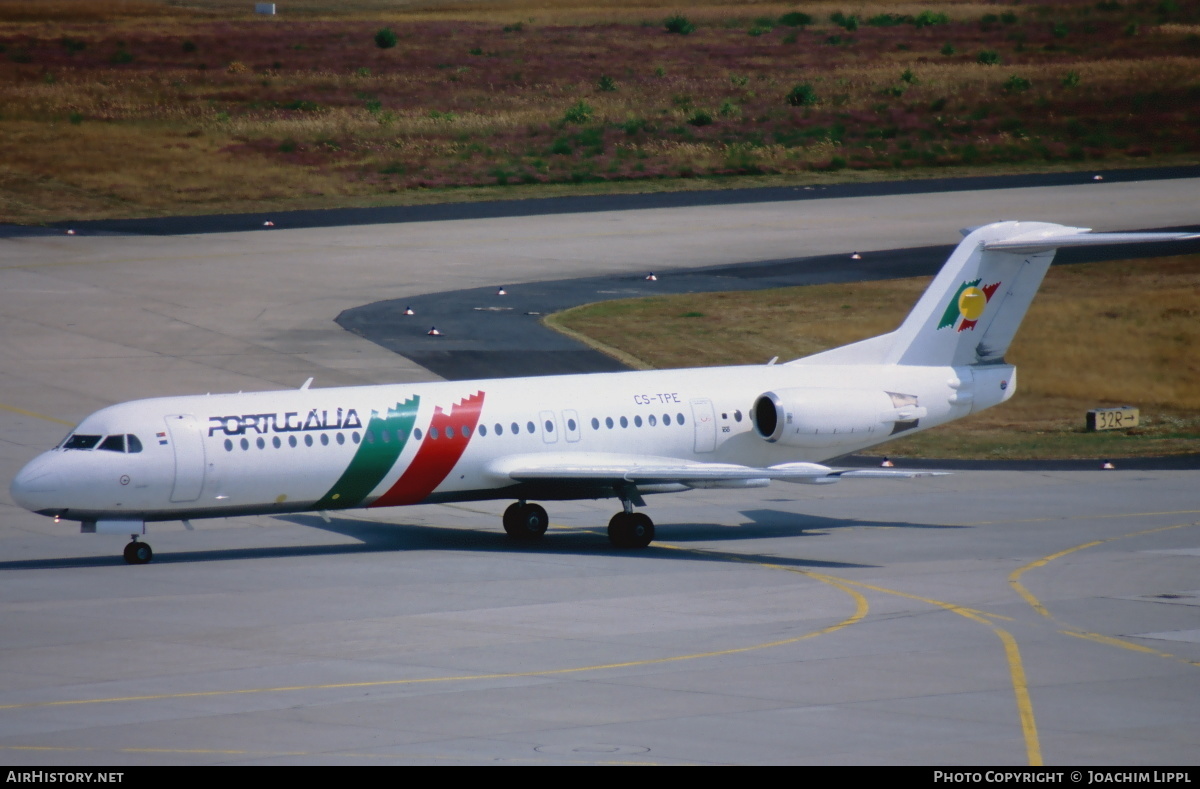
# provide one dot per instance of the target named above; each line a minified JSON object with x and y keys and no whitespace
{"x":827,"y":417}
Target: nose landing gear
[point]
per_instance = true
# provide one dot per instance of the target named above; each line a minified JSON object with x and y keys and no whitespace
{"x":138,"y":552}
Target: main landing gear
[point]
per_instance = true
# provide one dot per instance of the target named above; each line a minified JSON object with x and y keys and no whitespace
{"x":628,"y":529}
{"x":526,"y":522}
{"x":138,"y":552}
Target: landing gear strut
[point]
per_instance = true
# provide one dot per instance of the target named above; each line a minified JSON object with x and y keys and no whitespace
{"x":138,"y":552}
{"x":525,"y":522}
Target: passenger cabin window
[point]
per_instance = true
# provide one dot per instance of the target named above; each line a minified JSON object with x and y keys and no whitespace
{"x":113,"y":444}
{"x":81,"y":442}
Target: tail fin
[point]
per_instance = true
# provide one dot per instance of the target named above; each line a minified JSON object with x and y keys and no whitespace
{"x":972,"y":309}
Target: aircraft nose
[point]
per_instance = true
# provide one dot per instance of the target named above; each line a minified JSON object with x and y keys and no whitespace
{"x":35,"y":485}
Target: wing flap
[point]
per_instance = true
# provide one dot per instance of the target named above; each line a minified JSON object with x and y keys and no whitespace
{"x":634,"y":469}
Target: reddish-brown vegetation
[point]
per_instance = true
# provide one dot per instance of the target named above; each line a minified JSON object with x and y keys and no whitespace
{"x":315,"y":106}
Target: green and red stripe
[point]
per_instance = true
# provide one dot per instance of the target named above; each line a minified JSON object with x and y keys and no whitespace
{"x":383,"y":440}
{"x":436,"y":457}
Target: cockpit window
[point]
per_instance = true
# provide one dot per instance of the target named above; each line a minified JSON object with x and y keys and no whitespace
{"x":132,"y":444}
{"x":79,"y":441}
{"x":113,"y":444}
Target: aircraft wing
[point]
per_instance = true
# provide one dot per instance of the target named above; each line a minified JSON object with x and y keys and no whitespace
{"x":644,"y":469}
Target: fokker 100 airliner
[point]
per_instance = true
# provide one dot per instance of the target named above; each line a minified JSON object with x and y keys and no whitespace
{"x":603,"y":435}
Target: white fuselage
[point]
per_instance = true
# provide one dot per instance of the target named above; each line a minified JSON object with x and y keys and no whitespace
{"x":305,"y":449}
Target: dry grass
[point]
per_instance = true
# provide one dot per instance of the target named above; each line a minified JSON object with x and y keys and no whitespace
{"x":1099,"y":334}
{"x":307,"y":105}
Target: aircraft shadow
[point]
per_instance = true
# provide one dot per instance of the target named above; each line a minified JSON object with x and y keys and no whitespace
{"x":376,"y":537}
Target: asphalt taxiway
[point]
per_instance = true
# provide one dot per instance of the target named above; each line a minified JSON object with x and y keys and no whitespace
{"x":989,"y":617}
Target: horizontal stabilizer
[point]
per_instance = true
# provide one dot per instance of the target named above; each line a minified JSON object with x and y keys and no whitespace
{"x":1079,"y":237}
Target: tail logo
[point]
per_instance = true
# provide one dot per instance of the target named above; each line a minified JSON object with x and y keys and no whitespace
{"x":967,"y":306}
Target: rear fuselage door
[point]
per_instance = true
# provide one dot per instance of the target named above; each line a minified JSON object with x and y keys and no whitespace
{"x":705,"y":423}
{"x":189,"y":456}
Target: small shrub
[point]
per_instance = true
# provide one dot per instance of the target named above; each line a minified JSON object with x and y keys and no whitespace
{"x":679,"y":24}
{"x":802,"y":95}
{"x":909,"y":77}
{"x":302,"y":105}
{"x":848,"y":22}
{"x":1070,"y":79}
{"x":728,"y":109}
{"x":236,"y":67}
{"x":515,"y":27}
{"x":434,"y":115}
{"x":758,"y":31}
{"x":887,"y":20}
{"x":937,"y":105}
{"x":385,"y":38}
{"x":1059,"y":30}
{"x":362,"y":72}
{"x":1008,"y":18}
{"x":75,"y":118}
{"x":931,"y":18}
{"x":287,"y":146}
{"x":579,"y":112}
{"x":738,"y":81}
{"x":659,"y":71}
{"x":700,"y":118}
{"x":121,"y":56}
{"x":1015,"y":84}
{"x":988,"y":57}
{"x":795,"y":19}
{"x":188,"y":46}
{"x":607,"y":83}
{"x":475,"y":51}
{"x":633,"y":126}
{"x":947,"y":49}
{"x":73,"y":45}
